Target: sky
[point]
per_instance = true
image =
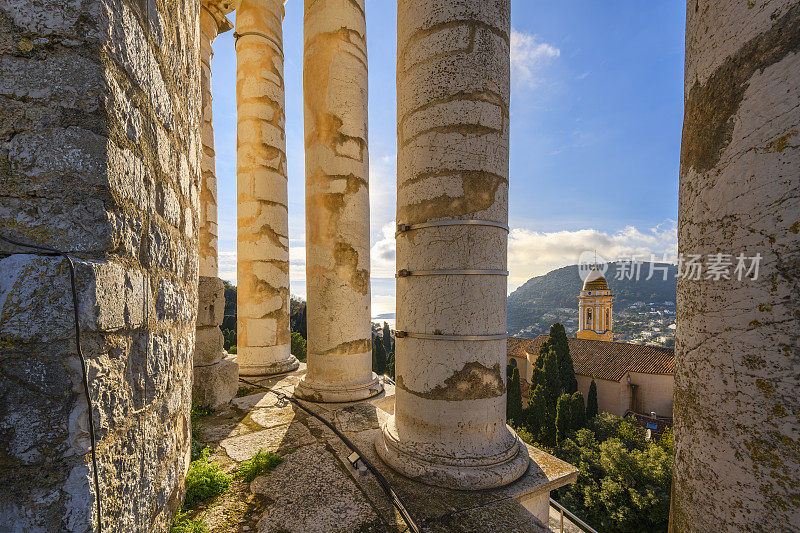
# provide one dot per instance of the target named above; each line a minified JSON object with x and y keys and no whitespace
{"x":596,"y":115}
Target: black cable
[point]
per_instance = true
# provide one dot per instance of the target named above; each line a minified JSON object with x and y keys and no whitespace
{"x":382,"y":481}
{"x":55,"y":252}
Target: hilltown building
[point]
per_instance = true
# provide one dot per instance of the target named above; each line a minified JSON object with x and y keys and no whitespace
{"x":106,"y":152}
{"x":629,"y":377}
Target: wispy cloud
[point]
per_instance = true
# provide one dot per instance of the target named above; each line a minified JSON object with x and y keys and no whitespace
{"x":529,"y":55}
{"x":382,"y":254}
{"x":533,"y":253}
{"x":297,"y":265}
{"x":530,"y":253}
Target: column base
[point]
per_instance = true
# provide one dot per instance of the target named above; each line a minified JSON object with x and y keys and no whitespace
{"x":461,"y":473}
{"x":269,"y":369}
{"x":324,"y":392}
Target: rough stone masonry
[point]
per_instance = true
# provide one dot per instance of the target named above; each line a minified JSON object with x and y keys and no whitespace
{"x":99,"y":156}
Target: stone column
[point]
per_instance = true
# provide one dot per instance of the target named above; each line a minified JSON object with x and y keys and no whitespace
{"x":449,"y":424}
{"x":215,"y":379}
{"x":737,"y":355}
{"x":337,"y":203}
{"x":263,"y":244}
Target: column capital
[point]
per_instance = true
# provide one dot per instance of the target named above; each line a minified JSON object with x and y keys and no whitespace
{"x":213,"y":20}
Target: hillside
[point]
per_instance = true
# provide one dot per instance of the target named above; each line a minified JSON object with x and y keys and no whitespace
{"x":542,"y":300}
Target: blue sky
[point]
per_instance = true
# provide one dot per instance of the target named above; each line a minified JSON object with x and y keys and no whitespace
{"x":596,"y":114}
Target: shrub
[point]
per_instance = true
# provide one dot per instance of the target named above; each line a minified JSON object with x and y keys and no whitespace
{"x":244,"y":391}
{"x":261,"y":463}
{"x":298,"y":347}
{"x":623,"y":480}
{"x":182,"y":523}
{"x":198,"y":413}
{"x":204,"y":480}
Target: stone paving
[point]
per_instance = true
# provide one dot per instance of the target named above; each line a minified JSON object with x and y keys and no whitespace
{"x":315,"y":489}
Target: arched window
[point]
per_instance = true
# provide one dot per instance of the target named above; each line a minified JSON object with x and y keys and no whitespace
{"x":513,"y":363}
{"x":608,"y":319}
{"x":589,"y":323}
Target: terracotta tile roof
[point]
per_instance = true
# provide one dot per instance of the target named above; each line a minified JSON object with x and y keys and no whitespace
{"x":603,"y":359}
{"x":516,"y":346}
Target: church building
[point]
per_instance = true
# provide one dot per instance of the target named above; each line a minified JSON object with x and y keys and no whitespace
{"x":630,"y":378}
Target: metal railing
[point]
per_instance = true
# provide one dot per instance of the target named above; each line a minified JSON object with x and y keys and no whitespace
{"x":574,"y":519}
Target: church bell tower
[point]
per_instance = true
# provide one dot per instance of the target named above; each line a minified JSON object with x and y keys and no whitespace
{"x":594,"y":308}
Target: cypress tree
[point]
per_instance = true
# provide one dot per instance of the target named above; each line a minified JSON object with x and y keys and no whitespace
{"x":379,"y":362}
{"x":591,"y":402}
{"x":563,"y":417}
{"x":558,"y":341}
{"x":534,"y":414}
{"x":514,"y":398}
{"x":552,"y":377}
{"x":387,"y":338}
{"x":578,"y":412}
{"x":390,"y":365}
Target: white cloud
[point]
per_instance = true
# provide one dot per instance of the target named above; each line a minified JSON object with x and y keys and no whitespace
{"x":529,"y":56}
{"x":227,"y":266}
{"x":382,"y":191}
{"x":297,"y":265}
{"x":532,"y":253}
{"x":382,"y":254}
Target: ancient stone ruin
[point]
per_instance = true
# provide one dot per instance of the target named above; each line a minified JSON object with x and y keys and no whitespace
{"x":107,"y":153}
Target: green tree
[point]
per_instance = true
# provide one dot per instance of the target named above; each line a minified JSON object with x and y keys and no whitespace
{"x":387,"y":338}
{"x":545,"y":374}
{"x":578,"y":413}
{"x":563,"y":417}
{"x":558,"y":341}
{"x":514,"y":398}
{"x":623,"y":480}
{"x":591,"y":402}
{"x":390,"y":365}
{"x":534,"y":415}
{"x":298,"y":347}
{"x":379,"y":359}
{"x":552,"y":378}
{"x":297,"y":317}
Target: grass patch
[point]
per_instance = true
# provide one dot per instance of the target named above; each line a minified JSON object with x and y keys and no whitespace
{"x":261,"y":463}
{"x":182,"y":523}
{"x":244,"y":391}
{"x":204,"y":480}
{"x":198,"y":413}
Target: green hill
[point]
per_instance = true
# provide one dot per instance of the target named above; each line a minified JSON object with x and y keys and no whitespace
{"x":554,"y":296}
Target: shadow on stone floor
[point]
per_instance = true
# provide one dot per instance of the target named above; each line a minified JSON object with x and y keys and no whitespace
{"x":316,"y":489}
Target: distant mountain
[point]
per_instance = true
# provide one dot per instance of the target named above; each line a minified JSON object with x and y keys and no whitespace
{"x":553,"y":297}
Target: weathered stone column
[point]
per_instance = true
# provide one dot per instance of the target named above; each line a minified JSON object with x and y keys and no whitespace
{"x":337,"y":203}
{"x":215,"y":379}
{"x":737,"y":368}
{"x":263,"y":244}
{"x":449,"y":424}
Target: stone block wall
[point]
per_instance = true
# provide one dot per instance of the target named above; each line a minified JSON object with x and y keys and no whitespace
{"x":99,"y":156}
{"x":216,"y":380}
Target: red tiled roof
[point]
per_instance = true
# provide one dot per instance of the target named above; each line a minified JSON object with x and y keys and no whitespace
{"x":603,"y":359}
{"x":516,"y":346}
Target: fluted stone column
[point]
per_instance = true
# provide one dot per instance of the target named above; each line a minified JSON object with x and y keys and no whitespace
{"x":737,"y":350}
{"x":215,"y":379}
{"x":337,"y":203}
{"x":263,"y":338}
{"x":449,"y":424}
